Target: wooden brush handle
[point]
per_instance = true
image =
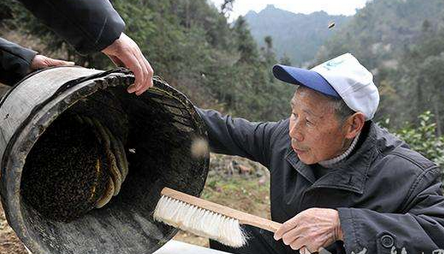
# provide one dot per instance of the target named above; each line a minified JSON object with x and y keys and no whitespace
{"x":244,"y":218}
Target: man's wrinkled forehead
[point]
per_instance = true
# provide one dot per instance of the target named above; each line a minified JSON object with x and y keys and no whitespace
{"x":298,"y":105}
{"x":309,"y":101}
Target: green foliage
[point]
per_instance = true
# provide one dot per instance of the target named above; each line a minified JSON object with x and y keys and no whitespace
{"x":246,"y":44}
{"x":424,"y":139}
{"x":422,"y":77}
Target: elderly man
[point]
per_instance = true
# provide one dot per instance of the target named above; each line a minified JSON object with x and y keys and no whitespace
{"x":339,"y":183}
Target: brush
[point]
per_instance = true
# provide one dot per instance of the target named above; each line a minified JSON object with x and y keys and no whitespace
{"x":207,"y":219}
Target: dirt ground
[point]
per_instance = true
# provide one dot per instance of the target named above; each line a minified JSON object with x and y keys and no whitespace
{"x":9,"y":243}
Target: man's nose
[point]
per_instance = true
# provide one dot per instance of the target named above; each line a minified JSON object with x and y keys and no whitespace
{"x":295,"y":132}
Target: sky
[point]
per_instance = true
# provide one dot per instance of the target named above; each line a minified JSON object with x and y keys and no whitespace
{"x":332,"y":7}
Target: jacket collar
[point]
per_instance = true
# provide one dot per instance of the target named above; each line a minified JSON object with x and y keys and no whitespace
{"x":349,"y":175}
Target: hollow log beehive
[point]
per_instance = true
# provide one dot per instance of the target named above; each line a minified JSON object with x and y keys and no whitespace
{"x":48,"y":160}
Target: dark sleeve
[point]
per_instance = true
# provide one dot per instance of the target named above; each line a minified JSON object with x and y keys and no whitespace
{"x":419,"y":229}
{"x":88,"y":25}
{"x":237,"y":136}
{"x":15,"y":62}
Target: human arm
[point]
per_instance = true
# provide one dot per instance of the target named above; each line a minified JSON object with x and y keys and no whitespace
{"x":313,"y":229}
{"x":94,"y":26}
{"x":16,"y":62}
{"x":237,"y":136}
{"x":87,"y":25}
{"x":125,"y":52}
{"x":417,"y":227}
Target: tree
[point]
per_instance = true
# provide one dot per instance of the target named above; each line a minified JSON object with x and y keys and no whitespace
{"x":423,"y":138}
{"x":432,"y":77}
{"x":285,"y":60}
{"x":247,"y":47}
{"x":227,"y":7}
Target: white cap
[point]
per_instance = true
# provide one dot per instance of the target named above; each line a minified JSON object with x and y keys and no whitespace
{"x":353,"y":82}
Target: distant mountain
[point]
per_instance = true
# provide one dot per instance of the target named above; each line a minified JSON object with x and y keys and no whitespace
{"x":298,"y":36}
{"x":402,"y":43}
{"x":381,"y":32}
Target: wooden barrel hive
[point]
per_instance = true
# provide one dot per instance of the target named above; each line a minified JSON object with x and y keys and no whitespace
{"x":51,"y":180}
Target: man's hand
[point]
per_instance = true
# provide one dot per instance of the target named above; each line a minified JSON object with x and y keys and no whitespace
{"x":311,"y":229}
{"x":40,"y":62}
{"x":125,"y":52}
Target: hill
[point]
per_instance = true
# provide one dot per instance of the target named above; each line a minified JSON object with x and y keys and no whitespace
{"x":382,"y":30}
{"x":297,"y":36}
{"x":402,"y":43}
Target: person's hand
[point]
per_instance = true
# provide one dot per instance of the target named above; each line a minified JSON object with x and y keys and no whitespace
{"x":40,"y":62}
{"x":125,"y":52}
{"x":311,"y":230}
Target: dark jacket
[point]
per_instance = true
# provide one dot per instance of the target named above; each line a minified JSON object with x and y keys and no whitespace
{"x":15,"y":62}
{"x":387,"y":195}
{"x":88,"y":25}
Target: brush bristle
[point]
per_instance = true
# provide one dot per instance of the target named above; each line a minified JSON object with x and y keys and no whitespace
{"x":199,"y":221}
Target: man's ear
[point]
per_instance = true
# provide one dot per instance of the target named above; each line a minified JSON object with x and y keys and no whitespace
{"x":354,"y":125}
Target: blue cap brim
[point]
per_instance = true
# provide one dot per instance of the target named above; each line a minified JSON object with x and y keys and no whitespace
{"x":302,"y":77}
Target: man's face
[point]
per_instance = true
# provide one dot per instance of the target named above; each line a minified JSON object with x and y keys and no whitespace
{"x":316,"y":133}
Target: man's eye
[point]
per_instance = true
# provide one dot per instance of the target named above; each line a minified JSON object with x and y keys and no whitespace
{"x":308,"y":122}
